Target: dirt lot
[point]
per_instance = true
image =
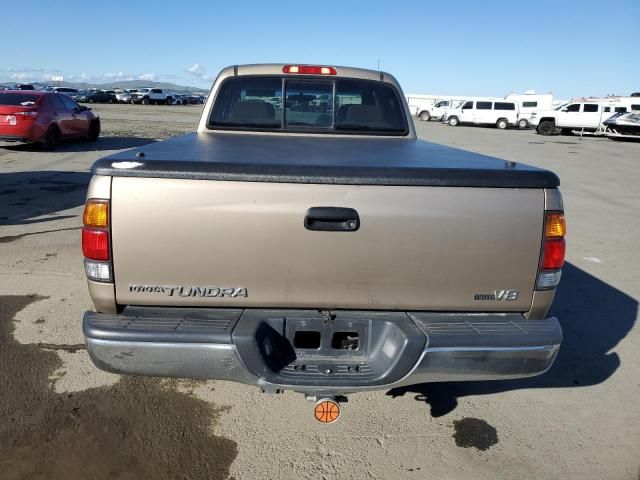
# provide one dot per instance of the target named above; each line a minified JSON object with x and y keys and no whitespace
{"x":62,"y":418}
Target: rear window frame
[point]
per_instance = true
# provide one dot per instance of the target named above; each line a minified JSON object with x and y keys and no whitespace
{"x":38,"y":98}
{"x":311,"y":130}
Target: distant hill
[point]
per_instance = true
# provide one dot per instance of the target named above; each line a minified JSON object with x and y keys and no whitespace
{"x":137,"y":84}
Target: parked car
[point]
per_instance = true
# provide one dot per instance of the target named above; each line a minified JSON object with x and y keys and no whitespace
{"x":97,"y":96}
{"x":200,"y":99}
{"x":180,"y":99}
{"x":325,"y":251}
{"x":124,"y":96}
{"x":500,"y":113}
{"x":148,"y":96}
{"x":80,"y":93}
{"x":69,"y":92}
{"x":24,"y":86}
{"x":44,"y":118}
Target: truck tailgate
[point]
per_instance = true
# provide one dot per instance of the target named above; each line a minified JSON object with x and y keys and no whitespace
{"x":244,"y":244}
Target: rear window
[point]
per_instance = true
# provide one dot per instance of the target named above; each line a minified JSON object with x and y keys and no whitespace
{"x":483,"y":105}
{"x":14,"y":99}
{"x":529,"y":104}
{"x":315,"y":105}
{"x":590,"y":107}
{"x":504,"y":106}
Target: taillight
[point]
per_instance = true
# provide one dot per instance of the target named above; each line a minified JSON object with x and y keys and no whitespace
{"x":553,"y":255}
{"x":95,"y":240}
{"x":555,"y":226}
{"x":95,"y":244}
{"x":96,"y":214}
{"x":26,"y":115}
{"x":309,"y":70}
{"x":553,"y":251}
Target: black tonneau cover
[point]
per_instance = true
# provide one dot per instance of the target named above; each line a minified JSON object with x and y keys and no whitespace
{"x":319,"y":159}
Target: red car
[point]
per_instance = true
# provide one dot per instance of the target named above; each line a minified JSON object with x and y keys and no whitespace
{"x":44,"y":118}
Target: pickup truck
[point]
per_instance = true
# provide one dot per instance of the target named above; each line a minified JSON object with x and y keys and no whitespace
{"x":571,"y":116}
{"x":148,"y":96}
{"x":315,"y":244}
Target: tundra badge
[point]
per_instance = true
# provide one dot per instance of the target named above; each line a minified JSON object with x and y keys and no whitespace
{"x":190,"y":291}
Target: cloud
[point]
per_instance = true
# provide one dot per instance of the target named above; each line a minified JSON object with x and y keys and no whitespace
{"x":198,"y":71}
{"x":117,"y":75}
{"x":26,"y":74}
{"x":29,"y":74}
{"x":196,"y":74}
{"x":21,"y":76}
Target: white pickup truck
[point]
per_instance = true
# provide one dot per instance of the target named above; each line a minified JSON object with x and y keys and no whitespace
{"x":438,"y":109}
{"x":313,"y":243}
{"x":155,"y":96}
{"x":571,"y":116}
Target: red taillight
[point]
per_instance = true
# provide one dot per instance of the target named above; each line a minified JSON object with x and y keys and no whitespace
{"x":309,"y":70}
{"x":13,"y":118}
{"x":95,"y":244}
{"x":553,"y":255}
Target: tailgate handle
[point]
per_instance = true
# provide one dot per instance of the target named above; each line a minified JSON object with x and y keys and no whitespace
{"x":332,"y":219}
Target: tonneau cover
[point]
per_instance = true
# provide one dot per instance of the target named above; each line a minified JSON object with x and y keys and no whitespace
{"x":319,"y":160}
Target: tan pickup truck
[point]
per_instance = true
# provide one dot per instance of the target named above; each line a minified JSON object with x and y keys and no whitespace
{"x":304,"y":239}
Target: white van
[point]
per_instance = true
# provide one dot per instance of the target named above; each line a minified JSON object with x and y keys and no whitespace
{"x":500,"y":113}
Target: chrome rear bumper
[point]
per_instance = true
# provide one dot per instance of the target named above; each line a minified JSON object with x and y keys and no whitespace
{"x":256,"y":347}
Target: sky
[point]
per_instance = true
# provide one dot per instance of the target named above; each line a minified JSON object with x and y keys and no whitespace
{"x":475,"y":48}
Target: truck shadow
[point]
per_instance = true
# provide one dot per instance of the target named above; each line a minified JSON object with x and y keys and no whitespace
{"x":36,"y":197}
{"x":595,"y":317}
{"x":103,"y":143}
